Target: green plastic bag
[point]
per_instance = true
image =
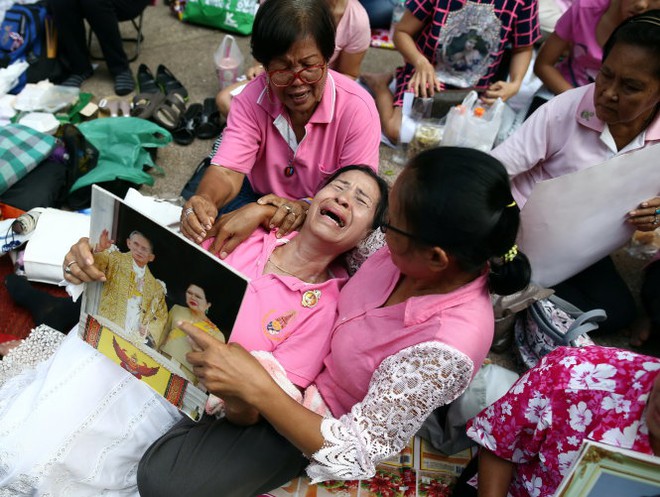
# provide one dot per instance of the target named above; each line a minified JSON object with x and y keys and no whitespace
{"x":235,"y":16}
{"x":121,"y":143}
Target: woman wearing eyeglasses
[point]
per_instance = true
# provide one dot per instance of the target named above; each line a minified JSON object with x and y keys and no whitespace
{"x":413,"y":326}
{"x":289,"y":129}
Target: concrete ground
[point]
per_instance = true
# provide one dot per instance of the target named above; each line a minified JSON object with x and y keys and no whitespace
{"x":187,"y":50}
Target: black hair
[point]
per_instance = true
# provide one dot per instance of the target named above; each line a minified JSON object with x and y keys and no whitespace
{"x":280,"y":23}
{"x":383,"y":189}
{"x":460,"y":199}
{"x":642,"y":30}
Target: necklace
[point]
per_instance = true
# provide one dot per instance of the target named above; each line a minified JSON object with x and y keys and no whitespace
{"x":271,"y":261}
{"x":314,"y":280}
{"x":289,"y":170}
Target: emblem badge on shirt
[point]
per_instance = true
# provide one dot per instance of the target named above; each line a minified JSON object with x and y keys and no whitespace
{"x":310,"y":298}
{"x":274,"y":327}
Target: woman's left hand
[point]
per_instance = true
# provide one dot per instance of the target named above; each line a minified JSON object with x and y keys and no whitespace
{"x":236,"y":226}
{"x":290,"y":214}
{"x":647,"y":216}
{"x":502,"y":89}
{"x":226,"y":370}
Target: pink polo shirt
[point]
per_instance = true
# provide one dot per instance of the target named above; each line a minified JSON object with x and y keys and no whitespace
{"x":259,"y":142}
{"x":366,"y":333}
{"x":353,"y":31}
{"x":562,"y":136}
{"x":272,"y":316}
{"x":578,"y":27}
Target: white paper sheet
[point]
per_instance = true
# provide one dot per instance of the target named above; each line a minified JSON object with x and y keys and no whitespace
{"x":570,"y":222}
{"x":56,"y":231}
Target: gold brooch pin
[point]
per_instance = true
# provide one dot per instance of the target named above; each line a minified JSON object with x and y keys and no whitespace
{"x":310,"y":298}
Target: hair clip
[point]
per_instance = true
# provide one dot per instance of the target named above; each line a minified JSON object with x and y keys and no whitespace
{"x":511,"y":254}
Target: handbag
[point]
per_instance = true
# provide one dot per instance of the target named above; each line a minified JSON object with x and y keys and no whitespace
{"x":550,"y":323}
{"x":235,"y":16}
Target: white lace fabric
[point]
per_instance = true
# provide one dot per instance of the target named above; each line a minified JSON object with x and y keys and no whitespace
{"x":73,"y":423}
{"x":403,"y":391}
{"x":36,"y":348}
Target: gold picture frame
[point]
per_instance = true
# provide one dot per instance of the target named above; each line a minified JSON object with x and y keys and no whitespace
{"x":602,"y":470}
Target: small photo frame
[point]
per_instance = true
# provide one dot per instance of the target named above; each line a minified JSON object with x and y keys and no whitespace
{"x":602,"y":470}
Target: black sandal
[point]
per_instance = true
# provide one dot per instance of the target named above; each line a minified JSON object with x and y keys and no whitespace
{"x":184,"y":134}
{"x":169,"y":83}
{"x":209,"y":125}
{"x":146,"y":82}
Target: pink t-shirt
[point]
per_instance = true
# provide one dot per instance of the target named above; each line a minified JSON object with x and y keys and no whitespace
{"x":578,"y":26}
{"x":272,"y":316}
{"x":598,"y":393}
{"x":353,"y":31}
{"x":366,"y":333}
{"x":563,"y":136}
{"x":259,"y":142}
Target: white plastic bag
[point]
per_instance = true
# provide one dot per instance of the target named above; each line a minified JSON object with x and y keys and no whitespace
{"x":9,"y":75}
{"x":228,"y":60}
{"x":472,"y":124}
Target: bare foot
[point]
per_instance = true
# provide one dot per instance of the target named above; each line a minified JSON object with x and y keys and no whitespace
{"x":377,"y":81}
{"x":5,"y":347}
{"x":641,"y":332}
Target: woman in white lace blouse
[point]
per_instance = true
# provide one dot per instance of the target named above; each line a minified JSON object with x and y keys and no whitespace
{"x":413,"y":327}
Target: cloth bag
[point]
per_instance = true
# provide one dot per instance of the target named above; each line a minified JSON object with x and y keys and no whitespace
{"x":21,"y":150}
{"x":235,"y":16}
{"x":122,"y":144}
{"x":550,"y":323}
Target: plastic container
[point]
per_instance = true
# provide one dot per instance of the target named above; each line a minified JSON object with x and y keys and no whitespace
{"x":228,"y":62}
{"x":428,"y":134}
{"x":397,"y":14}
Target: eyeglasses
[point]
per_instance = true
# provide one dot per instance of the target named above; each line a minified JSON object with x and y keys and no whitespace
{"x":285,"y":77}
{"x":387,"y":226}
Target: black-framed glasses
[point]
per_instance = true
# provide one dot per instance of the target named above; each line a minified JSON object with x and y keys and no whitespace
{"x":308,"y":75}
{"x":387,"y":226}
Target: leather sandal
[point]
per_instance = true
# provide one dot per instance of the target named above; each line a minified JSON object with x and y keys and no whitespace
{"x":169,"y":112}
{"x":168,"y":82}
{"x":146,"y":82}
{"x":209,"y":124}
{"x":145,"y":104}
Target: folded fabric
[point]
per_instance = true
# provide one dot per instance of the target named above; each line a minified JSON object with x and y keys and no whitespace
{"x":21,"y":150}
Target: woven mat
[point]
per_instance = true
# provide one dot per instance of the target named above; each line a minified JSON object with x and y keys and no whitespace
{"x":15,"y":320}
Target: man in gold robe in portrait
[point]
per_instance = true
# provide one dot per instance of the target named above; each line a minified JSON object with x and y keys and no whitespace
{"x":131,"y":297}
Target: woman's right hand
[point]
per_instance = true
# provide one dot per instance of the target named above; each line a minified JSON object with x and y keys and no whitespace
{"x":424,"y":81}
{"x":197,"y":218}
{"x":78,"y":266}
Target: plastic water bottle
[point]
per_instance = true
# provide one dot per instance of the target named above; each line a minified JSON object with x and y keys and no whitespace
{"x":397,"y":14}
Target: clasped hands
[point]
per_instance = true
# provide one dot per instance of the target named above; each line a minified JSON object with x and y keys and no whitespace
{"x":198,"y":220}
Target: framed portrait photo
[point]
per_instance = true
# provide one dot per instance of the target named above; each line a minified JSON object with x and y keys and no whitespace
{"x":602,"y":470}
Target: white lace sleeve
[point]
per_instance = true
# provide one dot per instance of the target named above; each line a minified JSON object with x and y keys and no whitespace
{"x":403,"y":391}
